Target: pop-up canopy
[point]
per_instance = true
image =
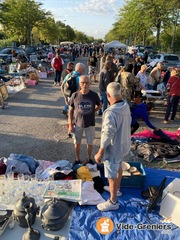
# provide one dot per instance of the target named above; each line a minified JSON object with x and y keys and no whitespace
{"x":115,"y":44}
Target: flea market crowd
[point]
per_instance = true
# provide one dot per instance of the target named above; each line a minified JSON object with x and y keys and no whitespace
{"x":121,"y":83}
{"x":122,"y":80}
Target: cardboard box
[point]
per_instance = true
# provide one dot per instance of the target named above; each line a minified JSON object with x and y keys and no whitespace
{"x":15,"y":89}
{"x":170,"y":203}
{"x":33,"y":76}
{"x":4,"y":92}
{"x":42,"y":74}
{"x":22,"y":66}
{"x":31,"y":82}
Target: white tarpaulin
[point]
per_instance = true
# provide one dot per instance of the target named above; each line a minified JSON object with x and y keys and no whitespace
{"x":115,"y":44}
{"x":66,"y":43}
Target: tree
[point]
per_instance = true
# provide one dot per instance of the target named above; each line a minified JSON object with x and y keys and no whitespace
{"x":18,"y":17}
{"x":139,"y":19}
{"x":47,"y":30}
{"x":159,"y":13}
{"x":132,"y":25}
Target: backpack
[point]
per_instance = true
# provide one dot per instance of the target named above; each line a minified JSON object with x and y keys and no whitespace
{"x":70,"y":85}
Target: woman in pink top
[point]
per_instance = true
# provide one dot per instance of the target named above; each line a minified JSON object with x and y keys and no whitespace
{"x":174,"y":94}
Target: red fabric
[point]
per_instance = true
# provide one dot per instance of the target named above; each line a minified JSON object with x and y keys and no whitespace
{"x":2,"y":168}
{"x":67,"y":178}
{"x":58,"y":64}
{"x":150,"y":134}
{"x":174,"y":82}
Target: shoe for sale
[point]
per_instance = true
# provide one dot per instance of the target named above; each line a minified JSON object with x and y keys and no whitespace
{"x":108,"y":206}
{"x":106,"y":188}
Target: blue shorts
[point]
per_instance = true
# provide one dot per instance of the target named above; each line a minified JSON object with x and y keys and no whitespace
{"x":111,"y":167}
{"x":89,"y":134}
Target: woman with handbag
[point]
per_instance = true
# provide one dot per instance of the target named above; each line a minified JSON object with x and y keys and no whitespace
{"x":174,"y":94}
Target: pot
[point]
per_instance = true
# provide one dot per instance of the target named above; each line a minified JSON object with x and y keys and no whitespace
{"x":54,"y":215}
{"x":19,"y":212}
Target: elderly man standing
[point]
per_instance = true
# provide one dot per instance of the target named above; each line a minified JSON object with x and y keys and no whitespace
{"x":115,"y":143}
{"x":83,"y":105}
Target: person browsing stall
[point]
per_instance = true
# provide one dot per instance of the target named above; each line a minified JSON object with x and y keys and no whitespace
{"x":79,"y":70}
{"x":115,"y":143}
{"x":139,"y":110}
{"x":174,"y":95}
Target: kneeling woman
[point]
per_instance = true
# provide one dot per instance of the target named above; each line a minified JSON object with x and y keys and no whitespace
{"x":139,"y":110}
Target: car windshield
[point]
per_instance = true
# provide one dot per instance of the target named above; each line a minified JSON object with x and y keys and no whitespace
{"x":6,"y":51}
{"x":30,"y":49}
{"x":171,"y":58}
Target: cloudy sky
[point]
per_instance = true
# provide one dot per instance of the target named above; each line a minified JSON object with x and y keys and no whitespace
{"x":93,"y":17}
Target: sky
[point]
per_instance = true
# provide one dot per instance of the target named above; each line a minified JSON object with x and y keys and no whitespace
{"x":92,"y":17}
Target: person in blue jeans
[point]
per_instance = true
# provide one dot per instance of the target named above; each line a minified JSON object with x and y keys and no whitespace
{"x":79,"y":70}
{"x":57,"y":64}
{"x":104,"y":80}
{"x":174,"y":95}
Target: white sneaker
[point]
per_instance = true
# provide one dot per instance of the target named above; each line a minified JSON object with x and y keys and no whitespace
{"x":119,"y":194}
{"x":108,"y":206}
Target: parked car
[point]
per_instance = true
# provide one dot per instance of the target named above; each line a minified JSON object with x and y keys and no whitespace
{"x":140,"y":48}
{"x":169,"y":60}
{"x":6,"y":55}
{"x":30,"y":50}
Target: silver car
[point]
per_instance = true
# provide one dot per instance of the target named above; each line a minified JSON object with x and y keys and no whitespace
{"x":169,"y":60}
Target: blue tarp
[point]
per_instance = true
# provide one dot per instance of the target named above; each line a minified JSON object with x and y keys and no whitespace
{"x":133,"y":210}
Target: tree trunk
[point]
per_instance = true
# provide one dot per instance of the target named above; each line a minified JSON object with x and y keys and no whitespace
{"x":158,"y":27}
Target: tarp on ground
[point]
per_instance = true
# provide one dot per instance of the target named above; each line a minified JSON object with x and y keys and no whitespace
{"x":115,"y":44}
{"x":133,"y":210}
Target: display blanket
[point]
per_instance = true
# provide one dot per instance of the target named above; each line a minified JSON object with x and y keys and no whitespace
{"x":131,"y":221}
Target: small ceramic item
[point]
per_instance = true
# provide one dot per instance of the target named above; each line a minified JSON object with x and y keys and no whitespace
{"x":125,"y":166}
{"x":133,"y":169}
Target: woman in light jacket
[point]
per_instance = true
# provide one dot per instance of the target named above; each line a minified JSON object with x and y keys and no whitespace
{"x":155,"y":77}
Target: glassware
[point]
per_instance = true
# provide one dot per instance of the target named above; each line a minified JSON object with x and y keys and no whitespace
{"x":20,"y":177}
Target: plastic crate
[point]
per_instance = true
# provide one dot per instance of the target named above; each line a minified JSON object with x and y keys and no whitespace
{"x":134,"y":181}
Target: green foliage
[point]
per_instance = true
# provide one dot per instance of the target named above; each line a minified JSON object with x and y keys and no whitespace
{"x":139,"y":20}
{"x":166,"y":40}
{"x":28,"y":23}
{"x":18,"y":17}
{"x":6,"y":42}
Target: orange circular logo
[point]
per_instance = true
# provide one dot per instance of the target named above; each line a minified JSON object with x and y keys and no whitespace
{"x":104,"y":225}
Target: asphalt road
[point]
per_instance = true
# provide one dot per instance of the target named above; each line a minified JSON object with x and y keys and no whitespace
{"x":33,"y":125}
